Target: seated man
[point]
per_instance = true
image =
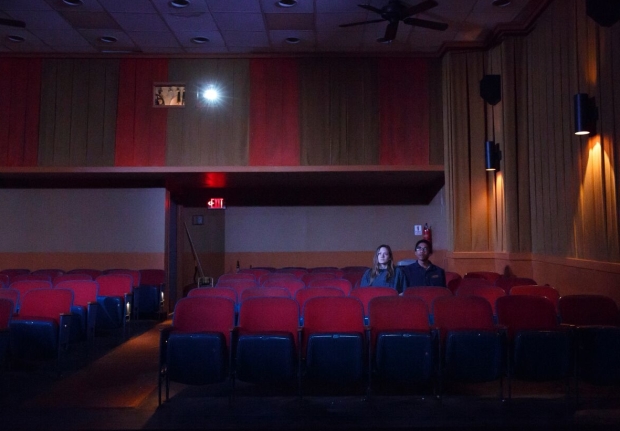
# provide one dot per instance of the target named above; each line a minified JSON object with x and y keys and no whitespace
{"x":423,"y":272}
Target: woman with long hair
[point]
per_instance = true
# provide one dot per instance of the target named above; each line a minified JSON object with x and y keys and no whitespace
{"x":383,"y":273}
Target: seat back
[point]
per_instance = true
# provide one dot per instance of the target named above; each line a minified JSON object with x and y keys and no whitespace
{"x":237,"y":285}
{"x":490,"y":293}
{"x":454,"y":313}
{"x":12,"y":295}
{"x":524,"y":312}
{"x":338,"y":283}
{"x":366,"y":294}
{"x":276,"y":276}
{"x":332,"y":314}
{"x":31,"y":277}
{"x":134,"y":273}
{"x":12,"y":272}
{"x":84,"y":291}
{"x":588,"y":310}
{"x":327,"y":269}
{"x":152,"y":277}
{"x":205,"y":314}
{"x":507,"y":283}
{"x":397,"y":313}
{"x":4,"y":280}
{"x":297,"y":272}
{"x":27,"y":285}
{"x":490,"y":276}
{"x":312,"y":276}
{"x":312,"y":292}
{"x":53,"y":273}
{"x":225,"y":292}
{"x":269,"y":314}
{"x":94,"y":273}
{"x":427,"y":293}
{"x":254,"y":292}
{"x":67,"y":277}
{"x":6,"y":312}
{"x":290,"y":284}
{"x":353,"y":277}
{"x":535,"y":290}
{"x":46,"y":303}
{"x":115,"y":284}
{"x":236,"y":276}
{"x":450,"y":276}
{"x":256,"y":272}
{"x":354,"y":269}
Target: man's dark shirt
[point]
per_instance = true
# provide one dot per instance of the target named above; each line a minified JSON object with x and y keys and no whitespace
{"x":416,"y":275}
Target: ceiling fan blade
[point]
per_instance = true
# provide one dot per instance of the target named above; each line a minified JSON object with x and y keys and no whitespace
{"x":420,"y":7}
{"x":390,"y":32}
{"x":361,"y":22}
{"x":12,"y":23}
{"x":433,"y":25}
{"x":370,"y":8}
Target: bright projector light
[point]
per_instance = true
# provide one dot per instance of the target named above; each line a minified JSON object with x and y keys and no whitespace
{"x":211,"y":94}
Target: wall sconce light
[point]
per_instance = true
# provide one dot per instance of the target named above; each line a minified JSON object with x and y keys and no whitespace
{"x":492,"y":156}
{"x":586,"y":114}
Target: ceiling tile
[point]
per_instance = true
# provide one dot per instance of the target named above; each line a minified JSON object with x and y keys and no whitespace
{"x":302,"y":6}
{"x":243,"y":6}
{"x":239,"y":21}
{"x":129,"y":6}
{"x":297,"y":21}
{"x":140,"y":22}
{"x":154,"y":39}
{"x":89,"y":19}
{"x":199,"y":21}
{"x":245,"y":38}
{"x":215,"y":39}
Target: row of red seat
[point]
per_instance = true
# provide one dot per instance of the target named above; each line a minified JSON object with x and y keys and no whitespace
{"x":139,"y":276}
{"x":334,"y":345}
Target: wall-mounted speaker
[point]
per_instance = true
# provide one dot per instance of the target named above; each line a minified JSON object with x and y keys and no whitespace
{"x":603,"y":12}
{"x":491,"y":89}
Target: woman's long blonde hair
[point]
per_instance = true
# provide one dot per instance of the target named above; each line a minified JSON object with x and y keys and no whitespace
{"x":374,"y":272}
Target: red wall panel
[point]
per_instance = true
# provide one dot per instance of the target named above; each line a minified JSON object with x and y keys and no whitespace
{"x":274,"y":112}
{"x":404,"y":111}
{"x":20,"y":83}
{"x":140,"y":127}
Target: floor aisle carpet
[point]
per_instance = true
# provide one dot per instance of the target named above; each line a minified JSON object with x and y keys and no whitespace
{"x":123,"y":378}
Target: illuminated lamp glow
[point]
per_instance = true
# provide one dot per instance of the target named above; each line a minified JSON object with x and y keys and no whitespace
{"x":211,"y":94}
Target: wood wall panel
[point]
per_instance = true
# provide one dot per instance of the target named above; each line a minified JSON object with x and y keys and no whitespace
{"x":339,"y":111}
{"x":141,"y":130}
{"x":20,"y":82}
{"x":210,"y":134}
{"x":274,"y":112}
{"x":78,"y":112}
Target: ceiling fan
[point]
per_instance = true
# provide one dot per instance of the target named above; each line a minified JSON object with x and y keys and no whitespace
{"x":396,"y":11}
{"x":12,"y":22}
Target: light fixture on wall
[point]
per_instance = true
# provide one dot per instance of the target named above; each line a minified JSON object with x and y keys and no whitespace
{"x":586,"y":114}
{"x":492,"y":156}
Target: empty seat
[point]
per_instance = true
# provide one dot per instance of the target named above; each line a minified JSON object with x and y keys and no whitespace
{"x":540,"y":350}
{"x":507,"y":283}
{"x":535,"y":290}
{"x":225,"y":292}
{"x":403,"y":348}
{"x":12,"y":272}
{"x":490,"y":276}
{"x":196,"y":348}
{"x":31,"y":277}
{"x":297,"y":272}
{"x":312,"y":276}
{"x":237,"y":276}
{"x":84,"y":309}
{"x":255,"y":292}
{"x":490,"y":293}
{"x":26,"y":285}
{"x":68,"y":277}
{"x":4,"y":281}
{"x":597,"y":322}
{"x":306,"y":293}
{"x":94,"y":273}
{"x":12,"y":295}
{"x":53,"y":273}
{"x":114,"y":299}
{"x":366,"y":294}
{"x":237,"y":285}
{"x":472,"y":347}
{"x":428,"y":295}
{"x":267,"y":340}
{"x":290,"y":284}
{"x":6,"y":313}
{"x":333,"y":344}
{"x":256,"y":272}
{"x":42,"y":328}
{"x":338,"y":283}
{"x":276,"y":276}
{"x":148,"y":297}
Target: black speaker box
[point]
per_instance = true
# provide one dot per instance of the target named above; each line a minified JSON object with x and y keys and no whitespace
{"x":491,"y":89}
{"x":603,"y":12}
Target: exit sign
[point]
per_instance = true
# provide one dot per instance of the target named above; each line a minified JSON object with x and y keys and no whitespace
{"x":216,"y":204}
